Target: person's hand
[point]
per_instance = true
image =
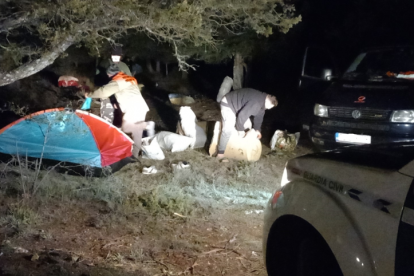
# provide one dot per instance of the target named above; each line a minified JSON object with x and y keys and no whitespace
{"x":259,"y":135}
{"x":241,"y":133}
{"x":115,"y":106}
{"x":86,"y":94}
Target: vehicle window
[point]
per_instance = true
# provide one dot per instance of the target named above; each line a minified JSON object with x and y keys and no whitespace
{"x":317,"y":60}
{"x":386,"y":64}
{"x":356,"y":63}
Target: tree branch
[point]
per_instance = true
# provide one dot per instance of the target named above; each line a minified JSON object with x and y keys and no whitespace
{"x":37,"y":65}
{"x":12,"y":23}
{"x":182,"y":63}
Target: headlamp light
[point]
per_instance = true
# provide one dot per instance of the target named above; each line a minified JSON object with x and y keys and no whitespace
{"x":320,"y":110}
{"x":402,"y":116}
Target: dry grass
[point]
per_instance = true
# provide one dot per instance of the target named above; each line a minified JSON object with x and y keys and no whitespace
{"x":19,"y":219}
{"x":208,"y":183}
{"x":128,"y":223}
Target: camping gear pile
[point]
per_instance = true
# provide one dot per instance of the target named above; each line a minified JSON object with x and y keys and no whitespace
{"x":284,"y":141}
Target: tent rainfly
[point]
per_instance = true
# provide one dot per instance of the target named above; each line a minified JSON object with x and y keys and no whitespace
{"x":68,"y":136}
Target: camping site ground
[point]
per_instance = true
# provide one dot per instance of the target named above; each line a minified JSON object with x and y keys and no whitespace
{"x":204,"y":220}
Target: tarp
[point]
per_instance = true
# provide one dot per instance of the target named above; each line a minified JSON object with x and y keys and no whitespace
{"x":65,"y":135}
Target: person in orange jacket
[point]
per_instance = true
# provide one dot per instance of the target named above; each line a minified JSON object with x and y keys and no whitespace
{"x":109,"y":106}
{"x":132,"y":104}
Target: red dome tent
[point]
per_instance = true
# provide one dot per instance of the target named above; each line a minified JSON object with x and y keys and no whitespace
{"x":65,"y":135}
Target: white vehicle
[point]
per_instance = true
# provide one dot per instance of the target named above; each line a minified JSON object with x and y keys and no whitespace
{"x":344,"y":212}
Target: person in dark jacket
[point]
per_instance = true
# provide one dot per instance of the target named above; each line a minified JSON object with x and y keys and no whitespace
{"x":237,"y":107}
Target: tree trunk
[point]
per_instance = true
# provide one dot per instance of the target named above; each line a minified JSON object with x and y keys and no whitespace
{"x":238,"y":71}
{"x":158,"y":66}
{"x":37,"y":65}
{"x":149,"y":66}
{"x":247,"y":75}
{"x":184,"y":75}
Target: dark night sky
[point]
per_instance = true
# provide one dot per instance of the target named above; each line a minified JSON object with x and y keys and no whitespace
{"x":357,"y":23}
{"x":342,"y":26}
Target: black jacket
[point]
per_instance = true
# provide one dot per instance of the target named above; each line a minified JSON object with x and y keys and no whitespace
{"x":247,"y":102}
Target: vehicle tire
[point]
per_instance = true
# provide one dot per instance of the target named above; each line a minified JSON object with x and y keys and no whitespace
{"x":299,"y":250}
{"x":315,"y":260}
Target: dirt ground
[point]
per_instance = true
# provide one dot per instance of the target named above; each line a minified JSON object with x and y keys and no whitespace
{"x":203,"y":220}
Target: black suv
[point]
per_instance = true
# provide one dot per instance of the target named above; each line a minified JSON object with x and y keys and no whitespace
{"x":372,"y":102}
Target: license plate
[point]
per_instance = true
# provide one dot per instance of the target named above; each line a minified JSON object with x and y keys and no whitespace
{"x":352,"y":138}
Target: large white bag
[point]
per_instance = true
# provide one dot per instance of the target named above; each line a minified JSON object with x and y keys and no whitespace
{"x":190,"y":128}
{"x":224,"y":88}
{"x":173,"y":142}
{"x":151,"y":149}
{"x":201,"y":138}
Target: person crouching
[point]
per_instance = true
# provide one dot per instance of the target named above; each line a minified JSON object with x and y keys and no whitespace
{"x":132,"y":104}
{"x":237,"y":107}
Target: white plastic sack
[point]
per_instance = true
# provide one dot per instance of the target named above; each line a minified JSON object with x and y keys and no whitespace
{"x":248,"y":124}
{"x":191,"y":129}
{"x":281,"y":140}
{"x":224,"y":88}
{"x":201,"y":138}
{"x":251,"y":134}
{"x":151,"y":149}
{"x":173,"y":142}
